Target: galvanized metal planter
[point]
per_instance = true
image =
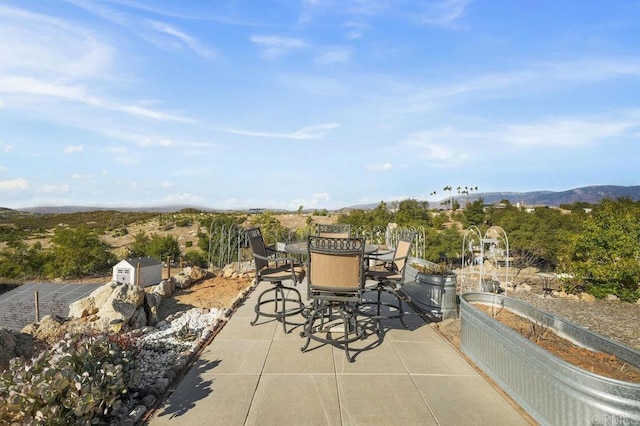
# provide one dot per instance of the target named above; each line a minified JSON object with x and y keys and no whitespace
{"x":431,"y":293}
{"x":551,"y":390}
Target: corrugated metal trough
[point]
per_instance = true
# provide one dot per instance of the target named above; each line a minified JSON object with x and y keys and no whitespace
{"x":551,"y":390}
{"x":435,"y":294}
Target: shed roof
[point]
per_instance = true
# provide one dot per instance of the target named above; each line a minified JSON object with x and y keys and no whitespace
{"x":143,"y":261}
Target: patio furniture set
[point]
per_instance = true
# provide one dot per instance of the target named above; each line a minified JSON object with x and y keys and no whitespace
{"x":347,"y":280}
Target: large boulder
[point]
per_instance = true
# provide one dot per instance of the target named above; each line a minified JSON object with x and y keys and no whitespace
{"x":151,"y":304}
{"x":165,"y":288}
{"x":120,"y":306}
{"x":181,"y":280}
{"x":196,"y":273}
{"x":91,"y":304}
{"x":138,"y":319}
{"x":14,"y":344}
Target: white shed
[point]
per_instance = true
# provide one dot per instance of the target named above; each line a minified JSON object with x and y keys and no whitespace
{"x":144,"y":271}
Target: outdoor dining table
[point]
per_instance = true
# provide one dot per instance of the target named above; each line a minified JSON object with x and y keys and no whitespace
{"x":300,"y":247}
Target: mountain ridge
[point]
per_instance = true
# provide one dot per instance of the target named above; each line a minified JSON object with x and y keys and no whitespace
{"x":588,"y":194}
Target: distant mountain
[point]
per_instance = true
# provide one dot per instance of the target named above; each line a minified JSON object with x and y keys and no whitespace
{"x":80,"y":209}
{"x":588,"y":194}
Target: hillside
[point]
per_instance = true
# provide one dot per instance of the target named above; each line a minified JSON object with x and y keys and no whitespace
{"x":589,"y":194}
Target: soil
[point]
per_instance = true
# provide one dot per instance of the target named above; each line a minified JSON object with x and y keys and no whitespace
{"x":603,"y":364}
{"x":217,"y":292}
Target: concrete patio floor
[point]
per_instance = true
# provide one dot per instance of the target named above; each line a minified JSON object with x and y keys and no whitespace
{"x":257,"y":375}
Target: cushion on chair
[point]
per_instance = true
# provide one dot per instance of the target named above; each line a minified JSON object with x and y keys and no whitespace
{"x":337,"y":273}
{"x":282,"y":273}
{"x":384,"y":275}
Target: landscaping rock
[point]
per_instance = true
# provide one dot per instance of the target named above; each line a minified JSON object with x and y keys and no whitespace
{"x":587,"y":297}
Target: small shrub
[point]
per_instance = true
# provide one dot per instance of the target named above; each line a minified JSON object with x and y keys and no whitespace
{"x":76,"y":382}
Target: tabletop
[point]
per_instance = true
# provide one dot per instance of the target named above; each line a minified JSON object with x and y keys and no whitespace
{"x":301,"y":248}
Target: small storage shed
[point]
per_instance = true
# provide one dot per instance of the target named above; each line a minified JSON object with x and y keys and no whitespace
{"x":143,"y":271}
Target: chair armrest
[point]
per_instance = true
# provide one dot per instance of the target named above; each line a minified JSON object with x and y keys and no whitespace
{"x":275,"y":259}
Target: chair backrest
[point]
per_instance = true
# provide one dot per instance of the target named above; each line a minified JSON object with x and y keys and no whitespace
{"x":336,"y":264}
{"x":257,"y":247}
{"x":403,"y":249}
{"x":335,"y":231}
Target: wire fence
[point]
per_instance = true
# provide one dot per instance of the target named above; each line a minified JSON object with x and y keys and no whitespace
{"x":229,"y":244}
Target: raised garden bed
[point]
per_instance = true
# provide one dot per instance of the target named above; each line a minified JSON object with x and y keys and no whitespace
{"x":550,"y":389}
{"x":431,"y":293}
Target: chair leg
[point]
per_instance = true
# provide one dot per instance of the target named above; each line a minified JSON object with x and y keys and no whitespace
{"x":377,"y":315}
{"x":348,"y":316}
{"x":279,"y":300}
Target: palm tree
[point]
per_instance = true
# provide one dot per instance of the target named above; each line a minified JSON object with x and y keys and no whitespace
{"x":448,"y":188}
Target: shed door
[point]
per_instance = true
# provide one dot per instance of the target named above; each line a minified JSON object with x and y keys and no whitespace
{"x":123,"y":275}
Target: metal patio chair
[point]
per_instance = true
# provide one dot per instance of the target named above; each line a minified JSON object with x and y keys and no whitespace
{"x":389,"y":277}
{"x":275,"y":270}
{"x":335,"y":231}
{"x":335,"y":285}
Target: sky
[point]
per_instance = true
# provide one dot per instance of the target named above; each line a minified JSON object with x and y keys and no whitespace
{"x":229,"y":104}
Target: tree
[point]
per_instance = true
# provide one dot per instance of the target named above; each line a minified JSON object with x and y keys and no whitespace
{"x":17,"y":260}
{"x":474,"y":213}
{"x":163,"y":247}
{"x":140,"y":246}
{"x":78,"y":251}
{"x":606,"y":255}
{"x":450,"y":199}
{"x":271,"y":228}
{"x":413,"y":213}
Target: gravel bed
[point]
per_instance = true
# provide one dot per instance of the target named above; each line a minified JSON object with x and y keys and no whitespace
{"x":165,"y":351}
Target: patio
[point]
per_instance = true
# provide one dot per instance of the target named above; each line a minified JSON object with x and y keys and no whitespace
{"x":253,"y":375}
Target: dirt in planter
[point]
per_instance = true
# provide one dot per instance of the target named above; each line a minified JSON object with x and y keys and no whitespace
{"x":603,"y":364}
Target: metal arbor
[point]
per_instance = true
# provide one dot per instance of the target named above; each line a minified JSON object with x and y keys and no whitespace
{"x":492,"y":246}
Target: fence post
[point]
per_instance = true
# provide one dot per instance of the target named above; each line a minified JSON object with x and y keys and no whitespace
{"x":37,"y":307}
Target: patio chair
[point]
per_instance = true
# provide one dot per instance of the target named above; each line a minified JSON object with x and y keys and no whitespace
{"x":275,"y":270}
{"x":335,"y":283}
{"x":335,"y":231}
{"x":389,"y":278}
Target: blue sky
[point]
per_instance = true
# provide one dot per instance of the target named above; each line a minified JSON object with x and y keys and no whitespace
{"x":324,"y":104}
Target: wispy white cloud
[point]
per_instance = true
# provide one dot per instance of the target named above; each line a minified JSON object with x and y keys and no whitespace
{"x":274,"y":47}
{"x":309,"y":132}
{"x":338,"y":55}
{"x":443,"y":13}
{"x":77,"y":93}
{"x":436,"y":147}
{"x":53,"y":189}
{"x":315,"y":85}
{"x":80,"y":176}
{"x":155,"y":142}
{"x":452,"y":147}
{"x":379,"y":167}
{"x":69,"y":149}
{"x":319,"y":199}
{"x":122,"y":155}
{"x":14,"y":184}
{"x":165,"y":185}
{"x":565,"y":132}
{"x":9,"y":148}
{"x":184,"y":39}
{"x":183,"y":198}
{"x":3,"y":169}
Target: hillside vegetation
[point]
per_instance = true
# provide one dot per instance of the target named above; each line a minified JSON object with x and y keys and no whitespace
{"x":596,"y":247}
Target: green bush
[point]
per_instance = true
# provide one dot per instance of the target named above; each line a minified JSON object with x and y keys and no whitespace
{"x":76,"y":382}
{"x":196,"y":258}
